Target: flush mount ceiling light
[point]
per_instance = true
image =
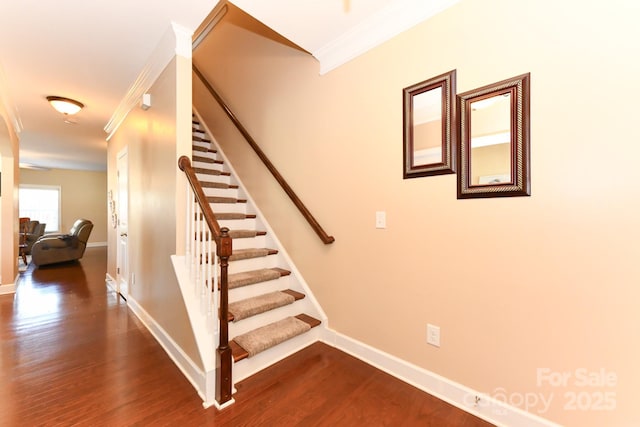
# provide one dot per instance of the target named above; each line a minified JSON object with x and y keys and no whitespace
{"x":64,"y":105}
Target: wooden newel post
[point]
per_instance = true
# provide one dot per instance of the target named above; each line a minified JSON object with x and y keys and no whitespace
{"x":223,"y":353}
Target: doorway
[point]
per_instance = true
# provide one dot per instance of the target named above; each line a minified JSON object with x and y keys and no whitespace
{"x":123,"y":224}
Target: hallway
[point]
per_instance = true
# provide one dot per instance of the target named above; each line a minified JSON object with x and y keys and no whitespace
{"x":72,"y":354}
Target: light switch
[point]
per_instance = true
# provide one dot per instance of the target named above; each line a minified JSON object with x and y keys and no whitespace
{"x":381,"y":219}
{"x":433,"y":335}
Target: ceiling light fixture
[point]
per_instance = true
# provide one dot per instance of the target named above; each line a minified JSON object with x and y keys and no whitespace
{"x":64,"y":105}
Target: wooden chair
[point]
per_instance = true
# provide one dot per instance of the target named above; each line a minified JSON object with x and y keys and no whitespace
{"x":22,"y":243}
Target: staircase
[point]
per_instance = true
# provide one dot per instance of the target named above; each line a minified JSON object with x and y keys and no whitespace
{"x":271,"y":311}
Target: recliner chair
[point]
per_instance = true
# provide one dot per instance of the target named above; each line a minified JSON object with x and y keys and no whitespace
{"x":31,"y":232}
{"x":54,"y":248}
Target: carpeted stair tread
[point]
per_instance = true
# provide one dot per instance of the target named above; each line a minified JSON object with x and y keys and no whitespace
{"x":271,"y":335}
{"x":239,"y":254}
{"x":260,"y":304}
{"x":251,"y":277}
{"x":206,"y":160}
{"x":205,"y":171}
{"x":226,"y":216}
{"x":211,"y":184}
{"x":246,"y":234}
{"x":199,"y":139}
{"x":217,"y":199}
{"x":240,"y":234}
{"x":203,"y":149}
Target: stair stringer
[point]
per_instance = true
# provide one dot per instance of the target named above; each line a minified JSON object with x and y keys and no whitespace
{"x":295,"y":281}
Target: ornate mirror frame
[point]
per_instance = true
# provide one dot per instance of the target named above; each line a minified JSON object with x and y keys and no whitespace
{"x":517,"y":180}
{"x":443,"y":146}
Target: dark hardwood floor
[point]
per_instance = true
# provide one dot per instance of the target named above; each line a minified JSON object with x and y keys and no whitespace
{"x":72,"y":354}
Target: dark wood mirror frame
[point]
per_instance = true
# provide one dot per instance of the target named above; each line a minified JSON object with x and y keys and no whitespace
{"x":519,"y":183}
{"x":447,"y":83}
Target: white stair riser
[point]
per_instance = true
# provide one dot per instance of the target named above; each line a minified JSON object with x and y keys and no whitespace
{"x":261,"y":288}
{"x":195,"y":163}
{"x":201,"y":144}
{"x":213,"y":178}
{"x":222,"y":192}
{"x":255,"y":242}
{"x":268,"y":261}
{"x":229,"y":207}
{"x":238,"y":224}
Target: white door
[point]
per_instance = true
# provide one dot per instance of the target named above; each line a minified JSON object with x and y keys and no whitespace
{"x":123,"y":224}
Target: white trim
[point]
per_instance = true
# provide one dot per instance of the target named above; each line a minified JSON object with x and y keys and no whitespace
{"x":392,"y":20}
{"x":111,"y":283}
{"x":456,"y":394}
{"x":96,"y":244}
{"x":183,"y":35}
{"x":189,"y":369}
{"x":8,"y":289}
{"x":176,"y":41}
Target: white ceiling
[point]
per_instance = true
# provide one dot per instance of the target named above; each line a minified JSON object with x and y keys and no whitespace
{"x":93,"y":51}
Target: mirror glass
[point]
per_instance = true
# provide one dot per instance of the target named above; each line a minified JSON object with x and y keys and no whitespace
{"x":429,"y":132}
{"x":493,"y":151}
{"x":490,"y":155}
{"x":427,"y":128}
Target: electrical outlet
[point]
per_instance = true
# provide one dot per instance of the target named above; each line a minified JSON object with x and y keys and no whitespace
{"x":433,"y":335}
{"x":381,"y":219}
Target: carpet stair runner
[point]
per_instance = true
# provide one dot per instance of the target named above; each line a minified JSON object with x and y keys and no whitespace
{"x":254,"y":289}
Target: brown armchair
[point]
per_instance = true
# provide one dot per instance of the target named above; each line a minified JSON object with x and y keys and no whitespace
{"x":54,"y":248}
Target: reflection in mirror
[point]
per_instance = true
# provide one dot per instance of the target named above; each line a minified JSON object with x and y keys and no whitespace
{"x":494,"y":140}
{"x":429,"y":134}
{"x":490,"y":155}
{"x":427,"y":127}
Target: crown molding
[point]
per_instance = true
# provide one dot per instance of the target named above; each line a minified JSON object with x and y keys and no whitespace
{"x":175,"y":42}
{"x":387,"y":23}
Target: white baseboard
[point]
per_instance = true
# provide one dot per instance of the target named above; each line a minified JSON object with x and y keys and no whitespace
{"x":8,"y":289}
{"x":190,"y":370}
{"x":111,"y":283}
{"x":456,"y":394}
{"x":96,"y":244}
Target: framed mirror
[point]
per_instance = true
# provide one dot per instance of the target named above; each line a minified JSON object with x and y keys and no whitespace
{"x":493,"y":152}
{"x":429,"y":126}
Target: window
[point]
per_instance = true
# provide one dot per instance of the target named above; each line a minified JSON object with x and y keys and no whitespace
{"x":41,"y":203}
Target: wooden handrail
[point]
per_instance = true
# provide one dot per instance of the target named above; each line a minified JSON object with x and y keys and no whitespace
{"x":224,"y":249}
{"x":185,"y":165}
{"x":326,"y":239}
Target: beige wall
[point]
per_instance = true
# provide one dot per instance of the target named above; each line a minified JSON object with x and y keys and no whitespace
{"x":9,"y":174}
{"x":83,"y":193}
{"x":516,"y":284}
{"x":150,"y":137}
